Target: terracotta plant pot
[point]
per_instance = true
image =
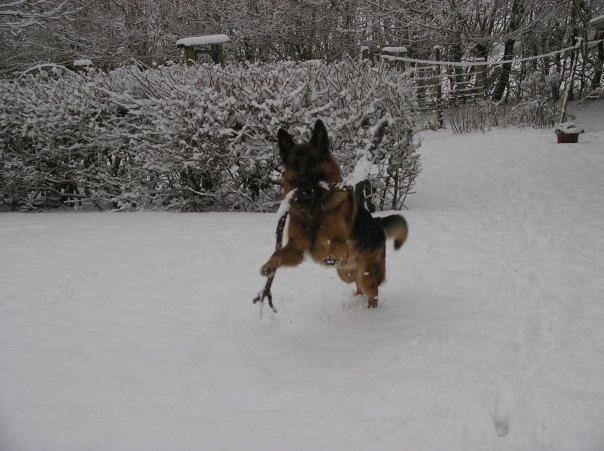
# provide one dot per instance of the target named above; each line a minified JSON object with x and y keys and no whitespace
{"x":567,"y":138}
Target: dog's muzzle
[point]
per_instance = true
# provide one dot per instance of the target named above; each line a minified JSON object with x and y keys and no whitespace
{"x":308,"y":193}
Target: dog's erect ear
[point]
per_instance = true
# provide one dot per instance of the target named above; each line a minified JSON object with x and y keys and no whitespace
{"x":319,"y":137}
{"x":286,"y":143}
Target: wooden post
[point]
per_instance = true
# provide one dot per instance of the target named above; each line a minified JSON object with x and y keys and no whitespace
{"x":190,"y":55}
{"x":597,"y":24}
{"x":570,"y":81}
{"x":439,"y":89}
{"x":480,"y":76}
{"x":365,"y":53}
{"x":395,"y":52}
{"x":217,"y":54}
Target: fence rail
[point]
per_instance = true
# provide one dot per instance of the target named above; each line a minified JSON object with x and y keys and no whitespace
{"x":444,"y":88}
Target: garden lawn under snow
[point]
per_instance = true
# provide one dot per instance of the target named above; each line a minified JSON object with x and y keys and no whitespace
{"x":135,"y":331}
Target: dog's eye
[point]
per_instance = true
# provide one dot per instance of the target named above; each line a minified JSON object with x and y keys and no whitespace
{"x":295,"y":166}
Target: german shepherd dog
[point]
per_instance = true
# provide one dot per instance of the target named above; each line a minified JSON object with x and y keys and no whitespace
{"x":327,"y":222}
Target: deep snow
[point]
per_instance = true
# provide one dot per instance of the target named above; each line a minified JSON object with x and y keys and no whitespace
{"x":136,"y":331}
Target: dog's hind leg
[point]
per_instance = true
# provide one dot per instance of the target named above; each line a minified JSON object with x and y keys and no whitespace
{"x":349,"y":276}
{"x":368,"y":285}
{"x":370,"y":289}
{"x":370,"y":276}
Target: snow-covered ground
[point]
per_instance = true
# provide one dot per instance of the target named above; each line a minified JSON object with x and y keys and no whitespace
{"x":135,"y":331}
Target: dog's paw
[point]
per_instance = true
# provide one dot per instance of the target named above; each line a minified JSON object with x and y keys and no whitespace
{"x":331,"y":261}
{"x":372,"y":303}
{"x":268,"y":269}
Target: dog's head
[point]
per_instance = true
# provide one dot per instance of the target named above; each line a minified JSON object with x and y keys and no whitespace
{"x":307,"y":164}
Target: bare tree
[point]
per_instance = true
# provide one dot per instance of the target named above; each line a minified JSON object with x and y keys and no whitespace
{"x":114,"y":32}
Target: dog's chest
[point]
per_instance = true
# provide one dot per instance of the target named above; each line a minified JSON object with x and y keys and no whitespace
{"x":314,"y":223}
{"x":309,"y":218}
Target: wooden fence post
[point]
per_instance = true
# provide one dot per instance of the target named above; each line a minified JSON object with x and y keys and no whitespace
{"x":597,"y":24}
{"x":439,"y":89}
{"x":480,"y":76}
{"x":365,"y":53}
{"x":217,"y":54}
{"x":190,"y":55}
{"x":395,"y":52}
{"x":569,"y":84}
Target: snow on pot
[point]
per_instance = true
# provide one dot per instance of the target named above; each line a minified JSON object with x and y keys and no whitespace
{"x":568,"y":132}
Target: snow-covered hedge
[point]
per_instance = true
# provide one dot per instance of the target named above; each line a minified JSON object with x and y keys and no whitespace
{"x":194,"y":138}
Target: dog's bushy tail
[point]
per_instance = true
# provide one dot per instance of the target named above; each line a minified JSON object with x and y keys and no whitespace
{"x":395,"y":227}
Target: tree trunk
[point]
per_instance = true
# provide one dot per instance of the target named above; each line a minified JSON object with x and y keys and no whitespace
{"x":596,"y":80}
{"x":508,"y":52}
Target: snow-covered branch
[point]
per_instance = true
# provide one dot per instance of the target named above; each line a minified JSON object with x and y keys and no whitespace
{"x":363,"y":166}
{"x":21,"y":14}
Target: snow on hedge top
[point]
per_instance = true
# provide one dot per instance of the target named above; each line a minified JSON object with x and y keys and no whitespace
{"x":395,"y":49}
{"x":82,"y":62}
{"x":203,"y":40}
{"x":597,"y":22}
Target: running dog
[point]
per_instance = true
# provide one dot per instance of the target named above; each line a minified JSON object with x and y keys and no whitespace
{"x":326,"y":221}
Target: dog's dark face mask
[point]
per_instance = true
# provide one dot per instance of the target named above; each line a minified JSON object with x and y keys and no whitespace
{"x":306,"y":164}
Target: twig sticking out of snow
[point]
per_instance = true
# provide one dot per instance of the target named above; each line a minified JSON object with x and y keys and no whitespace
{"x":363,"y":166}
{"x":282,"y":215}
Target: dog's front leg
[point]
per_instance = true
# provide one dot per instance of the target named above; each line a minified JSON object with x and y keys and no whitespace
{"x":291,"y":254}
